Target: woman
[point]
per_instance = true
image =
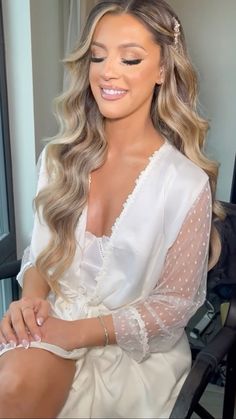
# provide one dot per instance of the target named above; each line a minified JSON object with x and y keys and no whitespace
{"x":119,"y":252}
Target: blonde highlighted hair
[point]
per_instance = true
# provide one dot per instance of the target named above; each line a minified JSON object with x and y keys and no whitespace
{"x":80,"y":146}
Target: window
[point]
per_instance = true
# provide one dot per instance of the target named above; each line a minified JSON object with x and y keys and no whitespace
{"x":233,"y":187}
{"x":7,"y":223}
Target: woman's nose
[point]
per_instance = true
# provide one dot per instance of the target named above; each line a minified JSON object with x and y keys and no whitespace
{"x":110,"y":69}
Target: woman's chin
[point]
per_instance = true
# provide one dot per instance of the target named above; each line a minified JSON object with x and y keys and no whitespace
{"x":112,"y":115}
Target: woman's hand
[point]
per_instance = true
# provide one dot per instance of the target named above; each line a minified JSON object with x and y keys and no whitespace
{"x":23,"y":320}
{"x":62,"y":333}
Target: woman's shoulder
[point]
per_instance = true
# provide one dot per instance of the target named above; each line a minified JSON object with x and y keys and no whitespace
{"x":181,"y":169}
{"x":184,"y":167}
{"x":182,"y":179}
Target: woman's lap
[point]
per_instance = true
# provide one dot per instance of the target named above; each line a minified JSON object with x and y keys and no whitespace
{"x":100,"y":385}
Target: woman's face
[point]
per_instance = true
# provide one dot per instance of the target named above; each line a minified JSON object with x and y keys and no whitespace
{"x":125,"y":66}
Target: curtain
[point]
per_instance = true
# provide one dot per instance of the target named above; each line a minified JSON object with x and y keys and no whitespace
{"x":74,"y":16}
{"x":75,"y":13}
{"x":85,"y":7}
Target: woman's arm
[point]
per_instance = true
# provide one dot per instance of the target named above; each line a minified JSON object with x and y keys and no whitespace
{"x":34,"y":285}
{"x":77,"y":334}
{"x":156,"y":324}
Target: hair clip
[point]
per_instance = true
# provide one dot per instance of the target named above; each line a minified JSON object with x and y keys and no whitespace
{"x":176,"y":31}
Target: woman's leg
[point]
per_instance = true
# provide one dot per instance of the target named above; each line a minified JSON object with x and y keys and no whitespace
{"x":34,"y":383}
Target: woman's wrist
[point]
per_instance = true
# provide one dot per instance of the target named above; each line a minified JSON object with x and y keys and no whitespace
{"x":94,"y":331}
{"x":105,"y":330}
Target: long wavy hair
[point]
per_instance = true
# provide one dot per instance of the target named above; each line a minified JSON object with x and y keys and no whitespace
{"x":80,"y":146}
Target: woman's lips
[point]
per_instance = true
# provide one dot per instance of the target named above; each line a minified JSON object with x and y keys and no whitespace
{"x":112,"y":94}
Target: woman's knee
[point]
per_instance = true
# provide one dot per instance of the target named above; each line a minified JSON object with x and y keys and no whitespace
{"x":13,"y":387}
{"x":18,"y":398}
{"x":26,"y":380}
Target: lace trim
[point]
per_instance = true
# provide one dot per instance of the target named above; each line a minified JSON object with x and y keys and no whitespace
{"x":130,"y":199}
{"x":26,"y":263}
{"x":138,"y":182}
{"x":20,"y":276}
{"x":142,"y":330}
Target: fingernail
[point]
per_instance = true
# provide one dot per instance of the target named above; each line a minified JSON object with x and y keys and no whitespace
{"x":25,"y":343}
{"x":39,"y":321}
{"x":12,"y":344}
{"x":37,"y":338}
{"x":2,"y":346}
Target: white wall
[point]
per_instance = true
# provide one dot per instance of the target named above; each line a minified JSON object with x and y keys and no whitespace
{"x":33,"y":37}
{"x":210,"y":31}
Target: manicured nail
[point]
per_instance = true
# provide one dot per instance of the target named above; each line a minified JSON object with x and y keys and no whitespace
{"x":12,"y":344}
{"x":25,"y":343}
{"x":37,"y":338}
{"x":39,"y":321}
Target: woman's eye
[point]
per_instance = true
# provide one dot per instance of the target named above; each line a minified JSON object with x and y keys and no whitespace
{"x":132,"y":62}
{"x":96,"y":59}
{"x":124,"y":61}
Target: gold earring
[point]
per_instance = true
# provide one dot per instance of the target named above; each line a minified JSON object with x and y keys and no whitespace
{"x":161,"y":75}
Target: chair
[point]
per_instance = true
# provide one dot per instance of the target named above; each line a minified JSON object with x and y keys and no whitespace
{"x":222,"y":345}
{"x":205,"y":364}
{"x":222,"y":278}
{"x":9,"y":270}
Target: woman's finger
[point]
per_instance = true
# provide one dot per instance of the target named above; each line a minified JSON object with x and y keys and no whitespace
{"x":3,"y":341}
{"x":7,"y":335}
{"x":31,"y":326}
{"x":18,"y":324}
{"x":43,"y":312}
{"x":23,"y":322}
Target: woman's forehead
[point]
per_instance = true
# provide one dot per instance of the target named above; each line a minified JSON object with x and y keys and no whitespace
{"x":122,"y":29}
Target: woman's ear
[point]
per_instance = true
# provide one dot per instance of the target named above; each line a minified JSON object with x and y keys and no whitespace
{"x":161,"y":76}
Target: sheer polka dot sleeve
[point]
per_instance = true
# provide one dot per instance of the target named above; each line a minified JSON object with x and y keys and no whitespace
{"x":155,"y":324}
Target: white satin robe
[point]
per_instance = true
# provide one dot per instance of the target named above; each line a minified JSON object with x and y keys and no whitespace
{"x":152,"y":279}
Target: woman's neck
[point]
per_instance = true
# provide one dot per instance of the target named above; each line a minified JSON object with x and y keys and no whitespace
{"x":127,"y":135}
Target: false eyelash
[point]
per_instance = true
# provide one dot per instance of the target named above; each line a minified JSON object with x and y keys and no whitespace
{"x":96,"y":59}
{"x":132,"y":62}
{"x":127,"y":62}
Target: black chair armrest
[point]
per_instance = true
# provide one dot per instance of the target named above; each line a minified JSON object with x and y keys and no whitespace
{"x":10,"y":269}
{"x":231,"y":315}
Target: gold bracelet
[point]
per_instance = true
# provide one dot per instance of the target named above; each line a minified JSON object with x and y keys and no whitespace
{"x":106,"y":334}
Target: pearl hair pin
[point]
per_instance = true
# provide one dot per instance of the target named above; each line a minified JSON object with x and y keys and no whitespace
{"x":176,"y":31}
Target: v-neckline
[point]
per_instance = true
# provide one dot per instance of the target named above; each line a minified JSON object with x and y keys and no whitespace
{"x":137,"y":184}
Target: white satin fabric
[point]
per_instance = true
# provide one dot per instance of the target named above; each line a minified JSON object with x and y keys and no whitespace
{"x":151,"y":276}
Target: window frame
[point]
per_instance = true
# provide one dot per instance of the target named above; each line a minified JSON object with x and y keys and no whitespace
{"x":233,"y":186}
{"x":8,"y":242}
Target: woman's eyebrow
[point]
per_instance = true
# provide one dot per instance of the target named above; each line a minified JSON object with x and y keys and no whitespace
{"x":121,"y":46}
